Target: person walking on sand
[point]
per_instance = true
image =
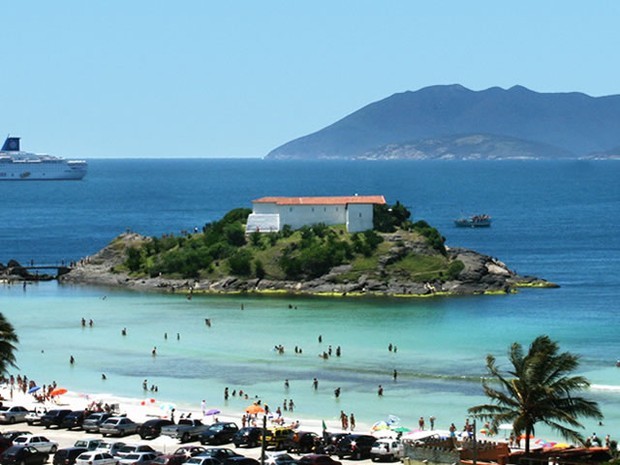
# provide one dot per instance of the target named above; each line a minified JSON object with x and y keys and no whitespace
{"x":352,"y":422}
{"x":203,"y":407}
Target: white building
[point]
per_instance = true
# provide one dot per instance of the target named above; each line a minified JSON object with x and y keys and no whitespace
{"x":270,"y":214}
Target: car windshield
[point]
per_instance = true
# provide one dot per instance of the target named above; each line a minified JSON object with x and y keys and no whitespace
{"x":132,"y":456}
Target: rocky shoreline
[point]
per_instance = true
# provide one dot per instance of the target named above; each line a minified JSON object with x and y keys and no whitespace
{"x":481,"y":274}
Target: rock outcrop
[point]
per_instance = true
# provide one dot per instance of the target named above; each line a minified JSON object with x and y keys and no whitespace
{"x":480,"y":274}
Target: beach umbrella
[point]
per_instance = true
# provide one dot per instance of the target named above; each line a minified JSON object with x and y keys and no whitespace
{"x":254,"y":409}
{"x":33,"y":389}
{"x":167,"y":406}
{"x":561,"y":445}
{"x":212,"y":411}
{"x":401,"y":429}
{"x":58,"y":391}
{"x":380,"y":425}
{"x":393,"y":420}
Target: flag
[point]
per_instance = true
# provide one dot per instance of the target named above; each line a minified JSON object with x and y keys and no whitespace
{"x":324,"y":425}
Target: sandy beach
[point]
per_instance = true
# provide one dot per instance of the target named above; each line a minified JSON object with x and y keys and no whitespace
{"x":141,"y":410}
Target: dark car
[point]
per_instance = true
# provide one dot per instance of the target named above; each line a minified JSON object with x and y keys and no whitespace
{"x":73,"y":420}
{"x":250,"y":437}
{"x":5,"y":443}
{"x":317,"y":459}
{"x":151,"y":429}
{"x":241,"y":461}
{"x":219,"y":433}
{"x":301,"y":442}
{"x":23,"y":455}
{"x":169,"y":459}
{"x":220,"y":453}
{"x":68,"y":455}
{"x":356,"y":446}
{"x":54,"y":417}
{"x":330,"y":442}
{"x":11,"y":435}
{"x":189,"y":451}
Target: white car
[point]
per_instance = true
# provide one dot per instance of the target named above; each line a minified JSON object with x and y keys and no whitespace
{"x":95,"y":458}
{"x":138,"y":458}
{"x":40,"y":443}
{"x":14,"y":414}
{"x":110,"y":447}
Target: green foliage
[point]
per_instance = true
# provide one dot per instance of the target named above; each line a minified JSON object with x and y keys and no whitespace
{"x":134,"y":259}
{"x":259,"y":269}
{"x":235,"y":234}
{"x":388,"y":219}
{"x":433,"y":238}
{"x":241,"y":263}
{"x":539,"y":387}
{"x":454,"y":269}
{"x":255,"y":238}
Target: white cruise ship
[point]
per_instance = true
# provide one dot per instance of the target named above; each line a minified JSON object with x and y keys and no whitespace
{"x":16,"y":165}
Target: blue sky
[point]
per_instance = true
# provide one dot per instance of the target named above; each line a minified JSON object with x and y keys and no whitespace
{"x":190,"y":78}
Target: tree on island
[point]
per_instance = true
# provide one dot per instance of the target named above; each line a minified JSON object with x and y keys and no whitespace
{"x":8,"y":339}
{"x":539,"y":388}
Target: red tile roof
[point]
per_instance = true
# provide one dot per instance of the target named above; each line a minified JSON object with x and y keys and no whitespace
{"x":374,"y":199}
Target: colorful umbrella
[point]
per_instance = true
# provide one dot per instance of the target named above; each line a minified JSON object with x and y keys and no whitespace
{"x":212,"y":411}
{"x":401,"y":429}
{"x":58,"y":391}
{"x":33,"y":389}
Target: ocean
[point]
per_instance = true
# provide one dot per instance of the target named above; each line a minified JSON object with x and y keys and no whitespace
{"x":555,"y":220}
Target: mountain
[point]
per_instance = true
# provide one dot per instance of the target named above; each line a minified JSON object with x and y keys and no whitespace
{"x":455,"y":122}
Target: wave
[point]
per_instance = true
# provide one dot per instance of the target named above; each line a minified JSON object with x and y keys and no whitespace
{"x":605,"y":387}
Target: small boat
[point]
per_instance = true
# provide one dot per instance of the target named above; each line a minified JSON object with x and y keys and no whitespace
{"x":476,"y":221}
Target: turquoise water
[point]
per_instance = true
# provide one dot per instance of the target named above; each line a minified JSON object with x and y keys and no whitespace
{"x":558,"y":221}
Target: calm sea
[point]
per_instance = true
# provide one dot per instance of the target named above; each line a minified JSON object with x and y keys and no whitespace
{"x":556,"y":220}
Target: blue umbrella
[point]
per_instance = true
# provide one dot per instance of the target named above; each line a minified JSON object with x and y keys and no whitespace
{"x":33,"y":389}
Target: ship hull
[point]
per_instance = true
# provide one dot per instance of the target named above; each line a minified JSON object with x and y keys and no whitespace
{"x":41,"y":171}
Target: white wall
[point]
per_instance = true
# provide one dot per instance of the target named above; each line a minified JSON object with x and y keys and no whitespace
{"x":356,"y":217}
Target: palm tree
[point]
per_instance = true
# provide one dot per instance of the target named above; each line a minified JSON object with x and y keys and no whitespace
{"x":8,"y":339}
{"x":539,"y":388}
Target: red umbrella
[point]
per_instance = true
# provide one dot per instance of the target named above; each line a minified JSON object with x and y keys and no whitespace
{"x":58,"y":391}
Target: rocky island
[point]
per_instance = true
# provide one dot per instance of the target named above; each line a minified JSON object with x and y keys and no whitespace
{"x":405,"y":260}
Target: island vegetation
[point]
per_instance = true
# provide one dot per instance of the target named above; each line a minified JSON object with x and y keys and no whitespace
{"x":223,"y":249}
{"x":398,"y":257}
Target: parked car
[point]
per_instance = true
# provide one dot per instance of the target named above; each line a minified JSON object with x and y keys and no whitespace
{"x":134,"y":449}
{"x":91,"y":422}
{"x":33,"y":417}
{"x":189,"y":451}
{"x":111,"y":447}
{"x":73,"y":420}
{"x":241,"y":461}
{"x":138,"y":458}
{"x":14,"y":414}
{"x":67,"y":455}
{"x":219,"y":433}
{"x":23,"y":455}
{"x":279,"y":458}
{"x":54,"y":417}
{"x":220,"y":453}
{"x":152,"y":428}
{"x":88,"y":443}
{"x":11,"y":435}
{"x":275,"y":438}
{"x":356,"y":446}
{"x":188,"y":429}
{"x":301,"y":442}
{"x":168,"y":459}
{"x":202,"y":460}
{"x":250,"y":436}
{"x":331,"y":441}
{"x":118,"y":426}
{"x":96,"y":458}
{"x":40,"y":443}
{"x":386,"y":449}
{"x":5,"y":443}
{"x":317,"y":459}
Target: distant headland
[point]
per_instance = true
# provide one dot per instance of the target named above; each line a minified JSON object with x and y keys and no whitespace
{"x":451,"y":122}
{"x":326,"y":246}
